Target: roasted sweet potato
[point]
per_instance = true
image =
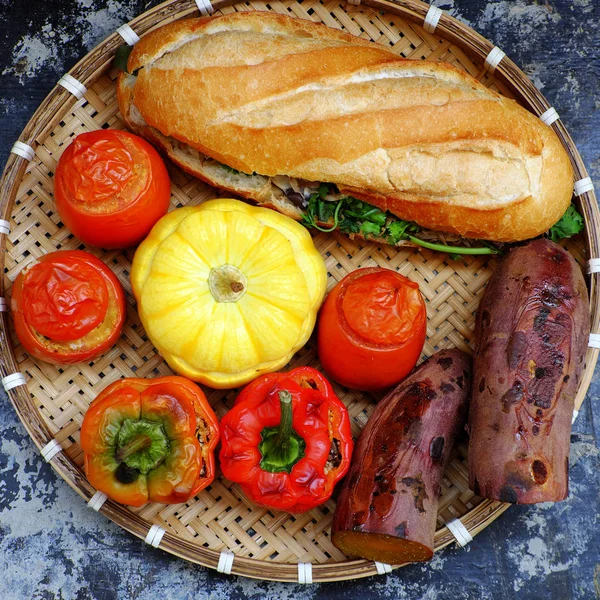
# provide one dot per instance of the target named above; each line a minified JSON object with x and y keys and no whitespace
{"x":388,"y":504}
{"x":531,"y":333}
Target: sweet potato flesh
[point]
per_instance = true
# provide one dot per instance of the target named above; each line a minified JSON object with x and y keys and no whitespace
{"x":381,"y":547}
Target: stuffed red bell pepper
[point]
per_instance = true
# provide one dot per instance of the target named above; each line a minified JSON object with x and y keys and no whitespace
{"x":150,"y":440}
{"x":287,"y":440}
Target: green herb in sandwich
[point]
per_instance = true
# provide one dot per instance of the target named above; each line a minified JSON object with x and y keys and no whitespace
{"x":351,"y":215}
{"x":570,"y":224}
{"x":122,"y":57}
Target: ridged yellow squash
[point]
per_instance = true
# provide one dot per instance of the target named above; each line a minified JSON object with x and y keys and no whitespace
{"x":227,"y":291}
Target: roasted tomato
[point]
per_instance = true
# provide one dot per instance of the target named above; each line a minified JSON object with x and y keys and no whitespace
{"x":372,"y":329}
{"x":110,"y":188}
{"x":68,"y":307}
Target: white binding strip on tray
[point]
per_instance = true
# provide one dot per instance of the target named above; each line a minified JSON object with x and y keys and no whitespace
{"x":12,"y":381}
{"x":550,"y":116}
{"x":128,"y":34}
{"x":593,"y":266}
{"x":50,"y":450}
{"x":4,"y":306}
{"x":155,"y":536}
{"x":23,"y":150}
{"x":575,"y":413}
{"x":493,"y":59}
{"x":432,"y":18}
{"x":382,"y":568}
{"x":72,"y":85}
{"x":205,"y":7}
{"x":583,"y":185}
{"x":225,"y":562}
{"x":4,"y":226}
{"x":97,"y":500}
{"x":594,"y":340}
{"x":305,"y":572}
{"x":459,"y":531}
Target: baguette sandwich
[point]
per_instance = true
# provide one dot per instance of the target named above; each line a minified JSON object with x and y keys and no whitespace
{"x":328,"y":128}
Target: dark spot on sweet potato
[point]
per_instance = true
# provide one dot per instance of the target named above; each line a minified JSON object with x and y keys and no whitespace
{"x":541,"y":318}
{"x":551,"y":295}
{"x":417,"y":487}
{"x":445,"y":362}
{"x":460,"y":382}
{"x":378,"y":478}
{"x":543,"y":401}
{"x":371,"y":507}
{"x":447,"y":388}
{"x":539,"y":472}
{"x":500,"y":380}
{"x":485,"y":318}
{"x":358,"y":519}
{"x":566,"y":378}
{"x":540,"y":372}
{"x":515,"y":349}
{"x":539,"y":412}
{"x":401,"y":530}
{"x":436,"y":448}
{"x":512,"y":396}
{"x":496,"y":427}
{"x":393,"y":492}
{"x":557,"y":256}
{"x":535,"y":430}
{"x":508,"y":494}
{"x":482,"y":384}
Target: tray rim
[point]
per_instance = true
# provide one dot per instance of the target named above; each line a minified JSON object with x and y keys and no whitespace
{"x":59,"y":101}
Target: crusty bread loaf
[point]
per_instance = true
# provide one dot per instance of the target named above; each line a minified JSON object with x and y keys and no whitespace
{"x":272,"y":95}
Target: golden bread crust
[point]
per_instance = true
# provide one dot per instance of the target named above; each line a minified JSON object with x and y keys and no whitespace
{"x":273,"y":95}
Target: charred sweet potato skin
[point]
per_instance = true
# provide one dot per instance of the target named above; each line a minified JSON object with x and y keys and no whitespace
{"x":393,"y":485}
{"x":531,"y":336}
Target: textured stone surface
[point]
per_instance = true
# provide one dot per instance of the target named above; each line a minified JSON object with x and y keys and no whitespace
{"x":52,"y":546}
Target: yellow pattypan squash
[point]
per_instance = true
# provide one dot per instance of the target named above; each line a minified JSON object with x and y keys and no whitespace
{"x":227,"y":291}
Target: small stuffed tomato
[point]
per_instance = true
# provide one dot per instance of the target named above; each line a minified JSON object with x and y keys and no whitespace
{"x":68,"y":307}
{"x":110,"y":188}
{"x":372,"y":329}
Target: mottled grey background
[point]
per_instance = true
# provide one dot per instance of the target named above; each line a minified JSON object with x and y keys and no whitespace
{"x":53,"y":547}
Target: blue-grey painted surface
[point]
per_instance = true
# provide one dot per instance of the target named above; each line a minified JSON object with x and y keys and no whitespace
{"x":53,"y":547}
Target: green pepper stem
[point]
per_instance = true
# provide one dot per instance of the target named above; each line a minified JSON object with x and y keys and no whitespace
{"x":281,"y":447}
{"x":137,"y":444}
{"x":282,"y":440}
{"x":451,"y":249}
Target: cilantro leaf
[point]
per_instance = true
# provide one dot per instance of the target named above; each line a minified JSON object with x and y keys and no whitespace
{"x":568,"y":225}
{"x":363,"y":211}
{"x":398,"y":230}
{"x":325,"y":210}
{"x":349,"y":226}
{"x":122,"y":57}
{"x":323,"y":190}
{"x":367,"y":228}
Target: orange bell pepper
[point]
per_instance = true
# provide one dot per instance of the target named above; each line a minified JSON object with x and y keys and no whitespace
{"x":150,"y":440}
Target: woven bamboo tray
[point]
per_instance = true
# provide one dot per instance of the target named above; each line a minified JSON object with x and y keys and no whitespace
{"x":266,"y":544}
